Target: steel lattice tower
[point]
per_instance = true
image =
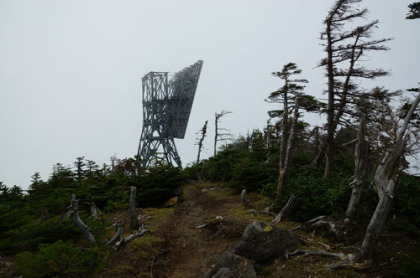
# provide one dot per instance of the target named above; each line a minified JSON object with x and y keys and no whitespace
{"x":167,"y":105}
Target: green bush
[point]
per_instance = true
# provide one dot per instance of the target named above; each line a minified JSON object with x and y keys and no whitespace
{"x":58,"y":260}
{"x":193,"y":170}
{"x":406,"y":208}
{"x":409,"y":266}
{"x":34,"y":232}
{"x":250,"y":175}
{"x":316,"y":195}
{"x":155,"y":186}
{"x":319,"y":196}
{"x":220,"y":167}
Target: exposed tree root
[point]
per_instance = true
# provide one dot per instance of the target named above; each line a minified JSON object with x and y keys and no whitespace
{"x":120,"y":239}
{"x":334,"y":226}
{"x":73,"y":213}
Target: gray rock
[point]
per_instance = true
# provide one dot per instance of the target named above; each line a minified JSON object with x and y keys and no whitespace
{"x":233,"y":266}
{"x":264,"y":243}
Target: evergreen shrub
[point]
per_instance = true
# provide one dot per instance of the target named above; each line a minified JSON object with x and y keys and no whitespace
{"x":59,"y":259}
{"x":155,"y":186}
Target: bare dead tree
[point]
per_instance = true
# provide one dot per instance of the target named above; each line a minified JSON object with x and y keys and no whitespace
{"x":376,"y":118}
{"x":73,"y":213}
{"x":219,"y":135}
{"x":386,"y":181}
{"x":361,"y":154}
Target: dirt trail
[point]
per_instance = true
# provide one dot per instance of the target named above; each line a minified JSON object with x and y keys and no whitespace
{"x":193,"y":251}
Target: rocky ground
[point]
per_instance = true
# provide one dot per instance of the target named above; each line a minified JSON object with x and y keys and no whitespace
{"x":188,"y":239}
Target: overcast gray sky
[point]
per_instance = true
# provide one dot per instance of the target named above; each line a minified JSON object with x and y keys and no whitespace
{"x":70,"y":71}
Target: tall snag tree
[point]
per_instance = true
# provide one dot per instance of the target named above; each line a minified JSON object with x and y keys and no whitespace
{"x":345,"y":47}
{"x":386,"y":181}
{"x":218,"y":131}
{"x":374,"y":114}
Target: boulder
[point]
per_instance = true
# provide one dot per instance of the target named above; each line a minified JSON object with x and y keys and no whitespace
{"x":233,"y":266}
{"x":264,"y":243}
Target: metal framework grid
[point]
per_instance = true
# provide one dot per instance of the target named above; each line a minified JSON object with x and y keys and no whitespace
{"x":166,"y":110}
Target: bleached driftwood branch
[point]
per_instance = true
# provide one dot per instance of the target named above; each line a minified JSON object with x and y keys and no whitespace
{"x":120,"y":239}
{"x":334,"y":226}
{"x":286,"y":210}
{"x":73,"y":213}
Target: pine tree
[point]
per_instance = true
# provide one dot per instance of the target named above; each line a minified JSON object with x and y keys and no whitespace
{"x":345,"y":47}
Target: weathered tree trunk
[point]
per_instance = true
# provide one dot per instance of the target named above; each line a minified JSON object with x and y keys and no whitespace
{"x":121,"y":239}
{"x":285,"y":130}
{"x":286,"y":151}
{"x":243,"y":196}
{"x":360,"y":170}
{"x":134,"y":222}
{"x":283,"y":146}
{"x":279,"y":189}
{"x":329,"y":141}
{"x":118,"y":234}
{"x":291,"y":140}
{"x":377,"y":222}
{"x":386,"y":185}
{"x":73,"y":213}
{"x":286,"y":210}
{"x":216,"y":135}
{"x":320,"y":153}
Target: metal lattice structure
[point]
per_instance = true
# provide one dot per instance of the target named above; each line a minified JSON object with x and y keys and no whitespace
{"x":167,"y":106}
